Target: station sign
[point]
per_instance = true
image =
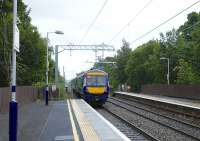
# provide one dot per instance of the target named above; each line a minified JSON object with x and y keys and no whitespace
{"x":16,"y":39}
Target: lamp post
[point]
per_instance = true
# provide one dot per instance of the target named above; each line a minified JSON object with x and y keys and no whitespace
{"x":56,"y":65}
{"x":47,"y":65}
{"x":163,"y":58}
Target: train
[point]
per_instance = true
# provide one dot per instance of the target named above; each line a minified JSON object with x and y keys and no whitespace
{"x":92,"y":86}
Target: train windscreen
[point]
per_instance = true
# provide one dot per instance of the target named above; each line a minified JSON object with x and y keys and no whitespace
{"x":96,"y":80}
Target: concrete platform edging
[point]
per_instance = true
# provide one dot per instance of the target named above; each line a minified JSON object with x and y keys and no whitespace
{"x":103,"y":128}
{"x":170,"y":100}
{"x":74,"y":130}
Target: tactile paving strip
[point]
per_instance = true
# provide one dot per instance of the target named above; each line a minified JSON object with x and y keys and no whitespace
{"x":89,"y":134}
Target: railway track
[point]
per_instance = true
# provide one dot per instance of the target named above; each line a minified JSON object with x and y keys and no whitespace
{"x":132,"y":132}
{"x":173,"y":113}
{"x":151,"y":123}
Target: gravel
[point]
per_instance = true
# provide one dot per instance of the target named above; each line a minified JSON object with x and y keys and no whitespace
{"x":131,"y":133}
{"x":172,"y":123}
{"x":153,"y":128}
{"x":150,"y":106}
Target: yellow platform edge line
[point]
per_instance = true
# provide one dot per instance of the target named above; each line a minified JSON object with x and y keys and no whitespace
{"x":75,"y":133}
{"x":88,"y":132}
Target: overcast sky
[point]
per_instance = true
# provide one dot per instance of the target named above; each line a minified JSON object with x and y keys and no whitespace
{"x":74,"y":16}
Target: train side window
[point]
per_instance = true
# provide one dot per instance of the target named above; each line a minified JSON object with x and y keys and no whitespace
{"x":84,"y":81}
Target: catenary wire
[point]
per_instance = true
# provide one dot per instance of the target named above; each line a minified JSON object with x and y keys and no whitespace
{"x":190,"y":26}
{"x":92,"y":23}
{"x":166,"y":21}
{"x":137,"y":14}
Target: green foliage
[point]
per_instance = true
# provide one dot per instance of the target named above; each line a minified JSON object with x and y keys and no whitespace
{"x":116,"y":71}
{"x":186,"y":74}
{"x":111,"y":69}
{"x":121,"y":60}
{"x":31,"y":60}
{"x":135,"y":68}
{"x":143,"y":65}
{"x":5,"y":38}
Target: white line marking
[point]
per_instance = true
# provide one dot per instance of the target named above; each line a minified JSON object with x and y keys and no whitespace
{"x":63,"y":138}
{"x":45,"y":125}
{"x":76,"y":138}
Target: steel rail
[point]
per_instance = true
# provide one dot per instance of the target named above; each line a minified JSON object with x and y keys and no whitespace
{"x":140,"y":130}
{"x":166,"y":109}
{"x":158,"y":114}
{"x":183,"y":133}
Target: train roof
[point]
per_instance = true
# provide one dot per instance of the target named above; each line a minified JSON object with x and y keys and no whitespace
{"x":95,"y":70}
{"x":92,"y":71}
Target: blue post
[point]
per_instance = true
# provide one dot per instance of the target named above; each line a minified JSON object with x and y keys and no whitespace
{"x":47,"y":96}
{"x":13,"y":121}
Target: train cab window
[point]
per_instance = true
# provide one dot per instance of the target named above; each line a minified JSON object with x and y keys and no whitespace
{"x":96,"y":80}
{"x":91,"y":80}
{"x":101,"y":80}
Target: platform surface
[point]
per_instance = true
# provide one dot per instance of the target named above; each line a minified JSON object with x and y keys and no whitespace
{"x":58,"y":125}
{"x":195,"y":104}
{"x":31,"y":119}
{"x":61,"y":121}
{"x":93,"y":126}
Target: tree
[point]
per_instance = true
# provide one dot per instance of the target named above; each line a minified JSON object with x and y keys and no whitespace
{"x":186,"y":74}
{"x":169,"y":49}
{"x":31,"y":62}
{"x":144,"y":65}
{"x":5,"y":44}
{"x":111,"y":69}
{"x":121,"y":60}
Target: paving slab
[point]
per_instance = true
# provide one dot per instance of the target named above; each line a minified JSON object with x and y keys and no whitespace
{"x":58,"y":125}
{"x":31,"y":119}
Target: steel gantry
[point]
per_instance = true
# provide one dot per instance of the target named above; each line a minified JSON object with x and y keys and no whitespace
{"x":71,"y":47}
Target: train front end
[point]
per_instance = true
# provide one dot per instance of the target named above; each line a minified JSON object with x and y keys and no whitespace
{"x":96,"y":87}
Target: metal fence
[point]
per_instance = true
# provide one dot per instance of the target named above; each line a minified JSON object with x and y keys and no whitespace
{"x":182,"y":91}
{"x":24,"y":95}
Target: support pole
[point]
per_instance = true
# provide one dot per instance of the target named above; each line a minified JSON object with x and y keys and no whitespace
{"x":64,"y":73}
{"x":163,"y":58}
{"x":168,"y":71}
{"x":56,"y":66}
{"x":13,"y":103}
{"x":47,"y":70}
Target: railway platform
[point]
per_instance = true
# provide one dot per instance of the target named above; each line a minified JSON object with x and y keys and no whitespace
{"x":187,"y":103}
{"x":75,"y":120}
{"x":70,"y":120}
{"x":58,"y":125}
{"x":91,"y":125}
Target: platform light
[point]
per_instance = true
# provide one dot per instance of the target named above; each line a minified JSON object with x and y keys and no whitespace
{"x":164,"y":58}
{"x":47,"y":64}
